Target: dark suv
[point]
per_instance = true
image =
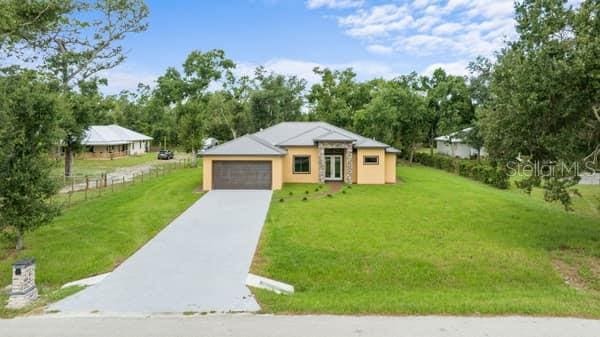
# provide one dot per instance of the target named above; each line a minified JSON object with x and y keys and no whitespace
{"x":165,"y":155}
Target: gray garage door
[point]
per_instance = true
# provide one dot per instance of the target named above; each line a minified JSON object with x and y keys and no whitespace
{"x":242,"y":175}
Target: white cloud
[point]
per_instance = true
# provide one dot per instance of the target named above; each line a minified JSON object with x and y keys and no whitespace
{"x":447,"y":28}
{"x":379,"y":49}
{"x":454,"y":68}
{"x":420,"y":3}
{"x":304,"y":69}
{"x":378,"y":20}
{"x":313,"y":4}
{"x":455,"y":28}
{"x":122,"y":78}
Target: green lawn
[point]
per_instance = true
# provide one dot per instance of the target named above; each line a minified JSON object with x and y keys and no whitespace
{"x":435,"y":243}
{"x":588,"y":204}
{"x":94,"y":236}
{"x":93,"y":167}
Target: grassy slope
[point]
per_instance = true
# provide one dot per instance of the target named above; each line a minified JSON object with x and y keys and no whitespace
{"x":435,"y":243}
{"x":93,"y":237}
{"x":588,"y":204}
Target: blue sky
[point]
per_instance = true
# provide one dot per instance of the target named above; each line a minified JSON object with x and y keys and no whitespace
{"x":377,"y":38}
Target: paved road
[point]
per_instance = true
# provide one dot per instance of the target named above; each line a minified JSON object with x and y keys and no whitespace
{"x":247,"y":325}
{"x":198,"y":263}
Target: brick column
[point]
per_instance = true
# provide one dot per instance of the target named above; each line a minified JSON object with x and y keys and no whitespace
{"x":348,"y":164}
{"x":321,"y":163}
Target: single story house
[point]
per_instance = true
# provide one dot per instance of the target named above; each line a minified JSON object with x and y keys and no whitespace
{"x":454,"y":146}
{"x":298,"y":152}
{"x":110,"y":141}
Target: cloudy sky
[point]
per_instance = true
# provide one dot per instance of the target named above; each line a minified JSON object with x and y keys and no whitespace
{"x":375,"y":37}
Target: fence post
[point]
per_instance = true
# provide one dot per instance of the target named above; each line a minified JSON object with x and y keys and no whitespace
{"x":87,"y":186}
{"x":142,"y":175}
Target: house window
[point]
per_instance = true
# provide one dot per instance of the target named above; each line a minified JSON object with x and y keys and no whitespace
{"x":371,"y":160}
{"x":301,"y":164}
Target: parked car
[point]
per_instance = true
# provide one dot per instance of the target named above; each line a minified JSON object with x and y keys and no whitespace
{"x":165,"y":155}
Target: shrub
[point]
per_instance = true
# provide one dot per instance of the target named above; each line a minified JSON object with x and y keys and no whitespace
{"x":482,"y":171}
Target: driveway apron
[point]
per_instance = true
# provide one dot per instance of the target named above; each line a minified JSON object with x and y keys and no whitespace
{"x":198,"y":263}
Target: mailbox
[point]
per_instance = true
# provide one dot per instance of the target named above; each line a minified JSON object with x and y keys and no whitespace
{"x":23,"y":289}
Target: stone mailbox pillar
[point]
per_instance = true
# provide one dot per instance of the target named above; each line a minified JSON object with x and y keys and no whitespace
{"x":23,"y":290}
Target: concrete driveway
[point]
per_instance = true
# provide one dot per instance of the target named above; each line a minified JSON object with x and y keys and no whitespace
{"x":198,"y":263}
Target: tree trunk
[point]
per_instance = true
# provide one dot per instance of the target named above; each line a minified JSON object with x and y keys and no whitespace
{"x":431,"y":146}
{"x":233,"y":133}
{"x":20,"y":240}
{"x":68,"y":159}
{"x":412,"y":155}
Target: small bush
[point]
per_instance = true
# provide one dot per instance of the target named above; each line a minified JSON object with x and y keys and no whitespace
{"x":291,"y":193}
{"x":304,"y":199}
{"x":317,"y":189}
{"x":281,"y":200}
{"x":329,"y":195}
{"x":306,"y":192}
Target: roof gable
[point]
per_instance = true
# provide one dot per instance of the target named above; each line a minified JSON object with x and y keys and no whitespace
{"x":110,"y":135}
{"x":334,"y":136}
{"x":287,"y":134}
{"x":248,"y":145}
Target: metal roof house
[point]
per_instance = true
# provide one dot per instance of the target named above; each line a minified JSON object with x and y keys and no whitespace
{"x":298,"y":152}
{"x":453,"y":145}
{"x":110,"y":141}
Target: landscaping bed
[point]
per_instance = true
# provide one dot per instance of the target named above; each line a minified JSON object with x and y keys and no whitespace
{"x":435,"y":243}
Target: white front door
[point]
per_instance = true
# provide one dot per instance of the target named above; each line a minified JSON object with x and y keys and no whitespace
{"x":333,"y":167}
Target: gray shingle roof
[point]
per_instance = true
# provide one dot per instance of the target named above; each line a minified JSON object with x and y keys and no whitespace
{"x":367,"y":142}
{"x":111,"y":135}
{"x":248,"y":145}
{"x":306,"y":138}
{"x":271,"y":140}
{"x":334,"y":136}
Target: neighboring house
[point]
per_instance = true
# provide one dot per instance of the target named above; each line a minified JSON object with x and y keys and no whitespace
{"x":452,"y":145}
{"x":298,"y":152}
{"x":110,"y":141}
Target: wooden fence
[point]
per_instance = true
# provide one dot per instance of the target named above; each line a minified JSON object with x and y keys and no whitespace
{"x":80,"y":188}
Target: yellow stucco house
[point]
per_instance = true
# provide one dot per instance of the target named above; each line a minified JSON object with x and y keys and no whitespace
{"x":298,"y":152}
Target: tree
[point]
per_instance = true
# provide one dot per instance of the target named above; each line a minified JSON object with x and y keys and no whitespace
{"x":479,"y":80}
{"x":544,"y":91}
{"x":395,"y":115}
{"x":448,"y":100}
{"x":25,"y":20}
{"x":276,"y":98}
{"x":29,"y":111}
{"x":186,"y":94}
{"x":338,"y":97}
{"x":85,"y":40}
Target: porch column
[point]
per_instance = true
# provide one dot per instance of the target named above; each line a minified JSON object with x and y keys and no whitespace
{"x":348,"y":164}
{"x":321,"y":163}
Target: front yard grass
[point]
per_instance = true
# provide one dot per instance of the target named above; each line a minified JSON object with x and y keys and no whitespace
{"x":93,"y":237}
{"x":434,"y":243}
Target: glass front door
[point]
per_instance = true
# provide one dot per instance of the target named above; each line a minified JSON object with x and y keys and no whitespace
{"x":333,"y":167}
